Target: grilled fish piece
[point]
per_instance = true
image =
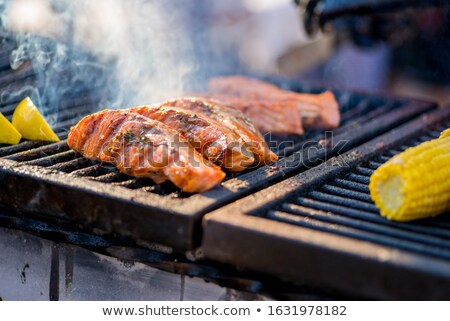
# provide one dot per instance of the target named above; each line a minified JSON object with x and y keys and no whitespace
{"x":317,"y":111}
{"x":232,"y":118}
{"x":268,"y":116}
{"x":142,"y":147}
{"x":215,"y":141}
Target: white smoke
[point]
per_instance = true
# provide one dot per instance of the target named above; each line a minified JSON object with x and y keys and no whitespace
{"x":147,"y":42}
{"x":143,"y":45}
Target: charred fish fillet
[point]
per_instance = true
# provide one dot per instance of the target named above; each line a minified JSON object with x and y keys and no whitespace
{"x":142,"y":147}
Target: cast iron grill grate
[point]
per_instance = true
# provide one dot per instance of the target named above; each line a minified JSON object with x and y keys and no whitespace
{"x":343,"y":206}
{"x":322,"y":228}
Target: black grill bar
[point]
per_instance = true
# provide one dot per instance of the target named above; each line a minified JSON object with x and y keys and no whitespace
{"x":332,"y":189}
{"x":88,"y":171}
{"x":24,"y":146}
{"x":359,"y":179}
{"x":72,"y":165}
{"x":351,"y":185}
{"x":322,"y":228}
{"x":43,"y":151}
{"x":361,"y":111}
{"x":374,"y":164}
{"x":53,"y":159}
{"x":8,"y":78}
{"x":111,"y":177}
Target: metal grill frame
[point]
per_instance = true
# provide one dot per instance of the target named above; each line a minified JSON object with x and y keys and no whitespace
{"x":311,"y":257}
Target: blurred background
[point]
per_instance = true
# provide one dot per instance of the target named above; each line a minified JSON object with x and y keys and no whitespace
{"x":141,"y":51}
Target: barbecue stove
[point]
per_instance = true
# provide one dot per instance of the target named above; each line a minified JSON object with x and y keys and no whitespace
{"x":86,"y":231}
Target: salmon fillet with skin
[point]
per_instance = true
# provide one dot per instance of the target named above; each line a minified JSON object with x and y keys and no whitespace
{"x":320,"y":111}
{"x":268,"y":116}
{"x":212,"y":139}
{"x":232,"y":118}
{"x":143,"y":147}
{"x":317,"y":111}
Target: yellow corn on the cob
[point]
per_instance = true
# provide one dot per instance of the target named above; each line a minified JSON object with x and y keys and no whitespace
{"x":415,"y":183}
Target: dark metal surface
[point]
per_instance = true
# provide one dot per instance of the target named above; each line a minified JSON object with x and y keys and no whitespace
{"x":322,"y":229}
{"x":59,"y":183}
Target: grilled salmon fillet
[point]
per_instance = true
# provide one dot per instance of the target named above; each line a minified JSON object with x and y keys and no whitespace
{"x":268,"y":116}
{"x":211,"y":138}
{"x":317,"y":111}
{"x":142,"y":147}
{"x":233,"y":119}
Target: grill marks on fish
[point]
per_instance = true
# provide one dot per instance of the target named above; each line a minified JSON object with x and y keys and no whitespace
{"x":143,"y":147}
{"x":183,"y":140}
{"x":214,"y":140}
{"x":268,"y":116}
{"x":250,"y":95}
{"x":231,"y":118}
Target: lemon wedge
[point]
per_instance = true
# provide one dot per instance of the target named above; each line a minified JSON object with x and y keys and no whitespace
{"x":8,"y":133}
{"x":29,"y":122}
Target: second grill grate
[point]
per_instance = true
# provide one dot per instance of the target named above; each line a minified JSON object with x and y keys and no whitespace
{"x":322,"y":227}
